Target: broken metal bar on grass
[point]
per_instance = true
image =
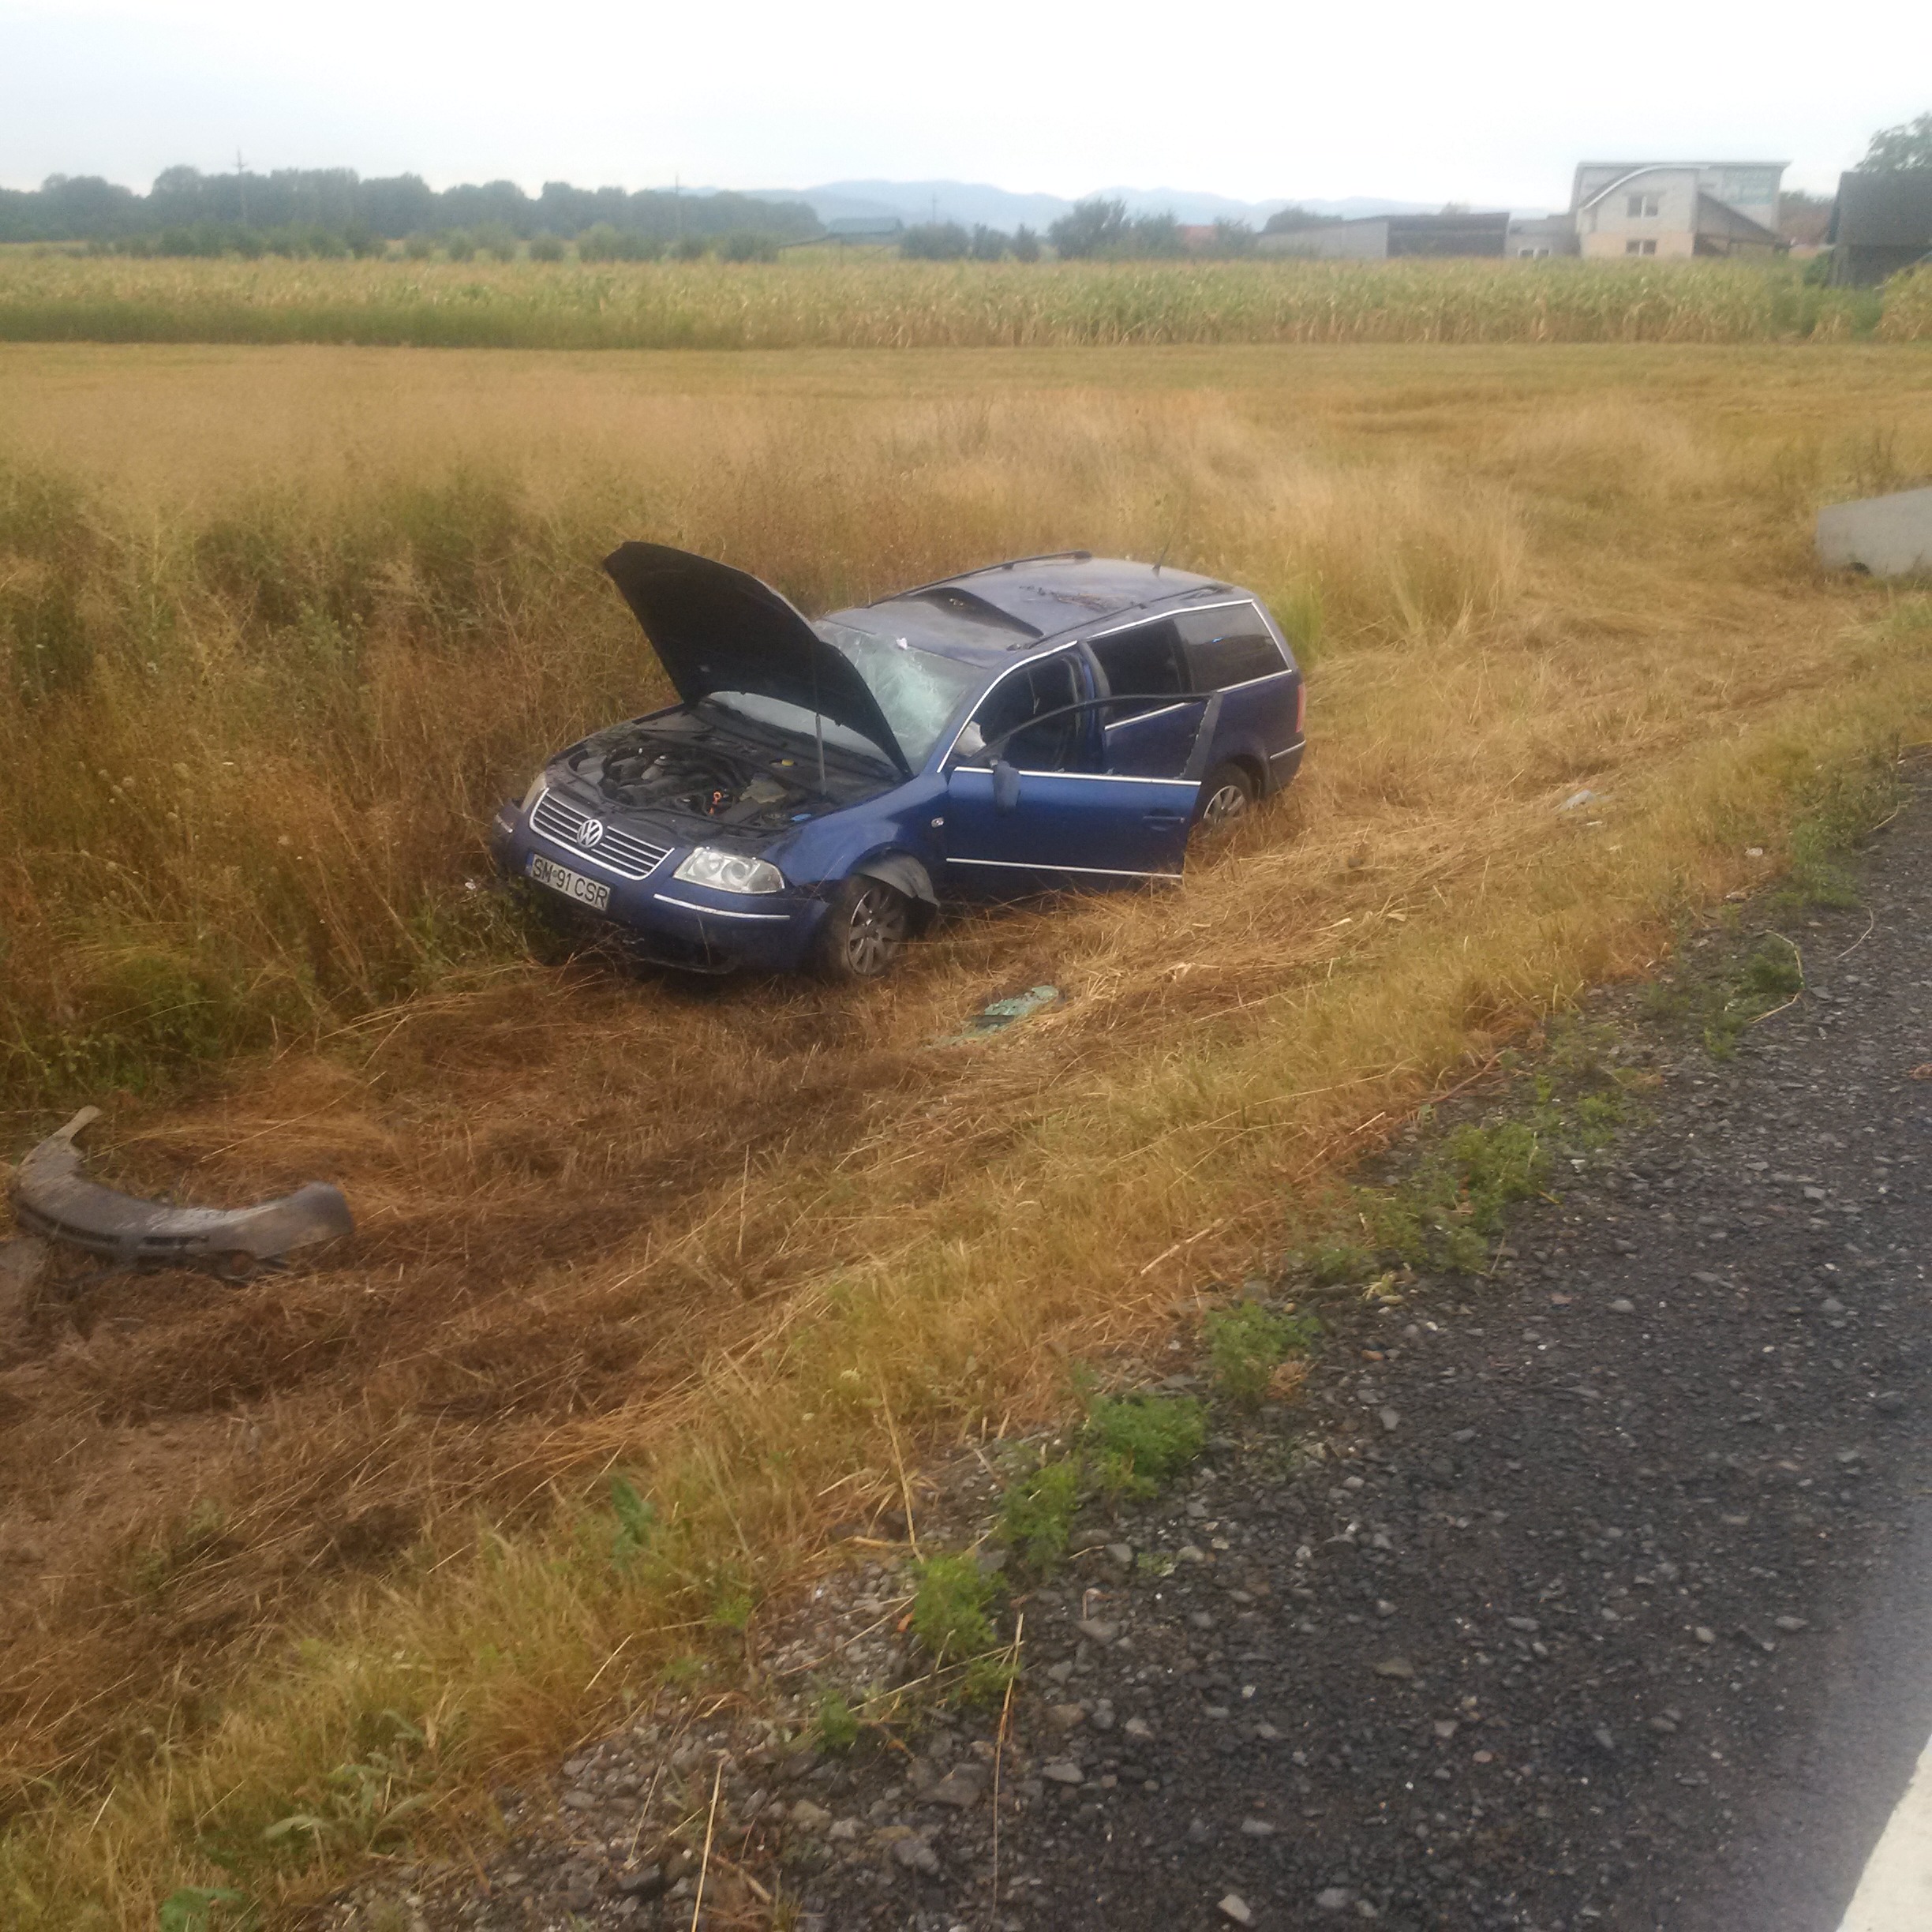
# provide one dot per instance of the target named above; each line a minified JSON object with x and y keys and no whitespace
{"x":51,"y":1198}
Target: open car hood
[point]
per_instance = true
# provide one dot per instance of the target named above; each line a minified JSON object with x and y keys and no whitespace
{"x":715,"y":629}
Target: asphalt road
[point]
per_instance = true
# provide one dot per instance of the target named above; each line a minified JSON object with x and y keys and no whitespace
{"x":1595,"y":1595}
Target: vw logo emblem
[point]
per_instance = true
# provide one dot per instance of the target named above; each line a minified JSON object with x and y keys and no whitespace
{"x":590,"y":833}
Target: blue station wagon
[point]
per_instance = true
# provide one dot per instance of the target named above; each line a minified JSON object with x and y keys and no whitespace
{"x":1051,"y":723}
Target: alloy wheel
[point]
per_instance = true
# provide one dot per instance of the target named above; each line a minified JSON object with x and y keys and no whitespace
{"x":875,"y":930}
{"x":1227,"y":805}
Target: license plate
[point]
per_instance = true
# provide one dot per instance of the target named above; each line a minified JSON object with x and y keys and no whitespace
{"x":589,"y":892}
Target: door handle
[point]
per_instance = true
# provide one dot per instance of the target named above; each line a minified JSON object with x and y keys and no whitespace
{"x":1164,"y":821}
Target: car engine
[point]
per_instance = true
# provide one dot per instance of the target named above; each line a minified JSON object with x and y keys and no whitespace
{"x":701,"y":772}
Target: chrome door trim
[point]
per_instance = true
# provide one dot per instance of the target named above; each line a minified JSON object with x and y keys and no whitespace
{"x":1023,"y":865}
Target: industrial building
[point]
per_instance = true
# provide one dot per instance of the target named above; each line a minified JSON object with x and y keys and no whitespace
{"x":1383,"y":237}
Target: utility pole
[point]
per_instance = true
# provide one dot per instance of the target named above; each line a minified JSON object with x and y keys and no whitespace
{"x":241,"y":176}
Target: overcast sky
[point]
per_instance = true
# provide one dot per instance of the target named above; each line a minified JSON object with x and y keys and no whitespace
{"x":1491,"y":102}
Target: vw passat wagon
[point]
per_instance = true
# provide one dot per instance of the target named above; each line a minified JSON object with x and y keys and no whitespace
{"x":819,"y":787}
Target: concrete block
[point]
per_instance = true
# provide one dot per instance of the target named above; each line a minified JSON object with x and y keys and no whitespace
{"x":1889,"y":535}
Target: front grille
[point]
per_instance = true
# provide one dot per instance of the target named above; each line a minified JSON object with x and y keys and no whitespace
{"x":617,"y":851}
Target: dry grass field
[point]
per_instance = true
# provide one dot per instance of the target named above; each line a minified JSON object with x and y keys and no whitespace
{"x":282,"y":624}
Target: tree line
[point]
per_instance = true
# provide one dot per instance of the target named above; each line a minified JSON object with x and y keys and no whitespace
{"x":1099,"y":229}
{"x":335,"y":211}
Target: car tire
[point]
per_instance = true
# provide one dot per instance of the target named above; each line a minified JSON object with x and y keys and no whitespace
{"x":1227,"y":796}
{"x":864,"y":930}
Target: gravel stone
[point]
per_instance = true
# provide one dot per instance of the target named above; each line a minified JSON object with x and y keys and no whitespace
{"x":914,"y":1855}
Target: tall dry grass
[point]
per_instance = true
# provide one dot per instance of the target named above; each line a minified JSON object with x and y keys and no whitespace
{"x":834,"y":1239}
{"x":251,"y":749}
{"x":889,"y":304}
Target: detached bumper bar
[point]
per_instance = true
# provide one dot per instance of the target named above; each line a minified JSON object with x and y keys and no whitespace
{"x":51,"y":1198}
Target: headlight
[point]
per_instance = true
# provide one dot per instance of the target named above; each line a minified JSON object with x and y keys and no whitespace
{"x":531,"y":796}
{"x":726,"y":872}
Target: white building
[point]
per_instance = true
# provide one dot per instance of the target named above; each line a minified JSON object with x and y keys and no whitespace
{"x":1676,"y":208}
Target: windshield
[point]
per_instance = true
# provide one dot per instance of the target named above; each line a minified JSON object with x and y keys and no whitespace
{"x":918,"y":690}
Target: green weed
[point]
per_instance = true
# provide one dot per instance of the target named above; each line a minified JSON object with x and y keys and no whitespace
{"x":732,"y":1602}
{"x":951,"y":1618}
{"x":1445,"y":1214}
{"x":1841,"y":806}
{"x":950,"y":1608}
{"x":365,"y":1804}
{"x":189,"y":1908}
{"x":636,"y":1523}
{"x":1338,"y":1260}
{"x":1140,"y":1442}
{"x":1598,"y":1117}
{"x":1247,"y":1344}
{"x":1768,"y":976}
{"x":835,"y":1723}
{"x":1036,"y":1515}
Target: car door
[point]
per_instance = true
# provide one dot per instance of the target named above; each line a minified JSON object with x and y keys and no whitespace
{"x":1150,"y":732}
{"x":1049,"y":812}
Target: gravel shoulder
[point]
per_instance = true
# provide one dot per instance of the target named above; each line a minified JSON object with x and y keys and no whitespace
{"x":1586,"y":1595}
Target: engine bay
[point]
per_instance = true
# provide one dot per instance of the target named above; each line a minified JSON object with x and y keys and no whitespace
{"x":685,"y":764}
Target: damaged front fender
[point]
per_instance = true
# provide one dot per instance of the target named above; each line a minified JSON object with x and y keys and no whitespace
{"x":52,"y":1198}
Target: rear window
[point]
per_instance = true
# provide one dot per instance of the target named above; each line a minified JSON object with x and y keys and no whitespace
{"x":1230,"y":644}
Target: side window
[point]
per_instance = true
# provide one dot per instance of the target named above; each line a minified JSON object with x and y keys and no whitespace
{"x":1028,"y":693}
{"x":1229,"y":646}
{"x":1145,"y":661}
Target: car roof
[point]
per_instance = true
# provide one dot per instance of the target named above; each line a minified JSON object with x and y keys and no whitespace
{"x":986,"y":616}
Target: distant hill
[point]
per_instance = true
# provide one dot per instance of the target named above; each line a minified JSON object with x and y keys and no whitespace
{"x":971,"y":202}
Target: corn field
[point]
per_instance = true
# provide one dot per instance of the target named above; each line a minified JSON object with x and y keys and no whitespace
{"x":888,"y":303}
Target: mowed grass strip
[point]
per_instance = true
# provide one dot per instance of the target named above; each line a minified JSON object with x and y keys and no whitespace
{"x":351,"y":1533}
{"x":885,"y":303}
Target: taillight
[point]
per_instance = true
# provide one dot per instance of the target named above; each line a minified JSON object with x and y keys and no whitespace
{"x":1301,"y":707}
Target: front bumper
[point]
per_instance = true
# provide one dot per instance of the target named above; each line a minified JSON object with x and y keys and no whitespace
{"x":664,"y":919}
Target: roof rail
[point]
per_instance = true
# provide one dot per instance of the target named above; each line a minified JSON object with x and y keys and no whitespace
{"x":1046,"y":556}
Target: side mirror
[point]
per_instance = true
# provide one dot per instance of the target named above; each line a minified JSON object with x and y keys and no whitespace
{"x":1005,"y":786}
{"x":971,"y":743}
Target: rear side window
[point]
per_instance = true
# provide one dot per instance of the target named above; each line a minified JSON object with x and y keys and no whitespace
{"x":1228,"y":645}
{"x":1144,"y":662}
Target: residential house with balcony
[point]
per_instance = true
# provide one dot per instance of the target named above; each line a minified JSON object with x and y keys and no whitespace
{"x":1631,"y":210}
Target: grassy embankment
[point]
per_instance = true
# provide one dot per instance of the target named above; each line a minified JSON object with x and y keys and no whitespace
{"x":281,"y":628}
{"x":886,"y":303}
